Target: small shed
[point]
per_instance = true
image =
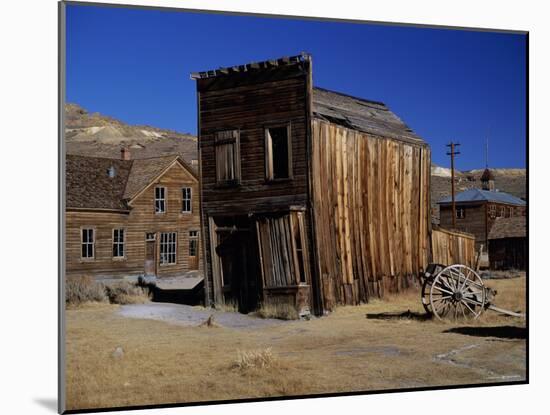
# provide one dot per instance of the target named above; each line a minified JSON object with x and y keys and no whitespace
{"x":508,"y":243}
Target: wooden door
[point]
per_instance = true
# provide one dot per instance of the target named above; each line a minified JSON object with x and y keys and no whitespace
{"x":150,"y":255}
{"x":193,"y":259}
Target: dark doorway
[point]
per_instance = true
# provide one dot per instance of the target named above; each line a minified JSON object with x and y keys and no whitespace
{"x":240,"y":273}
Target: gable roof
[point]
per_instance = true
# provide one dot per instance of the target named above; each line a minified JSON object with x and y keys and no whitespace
{"x":360,"y":114}
{"x":478,"y":195}
{"x":514,"y":227}
{"x":88,"y":185}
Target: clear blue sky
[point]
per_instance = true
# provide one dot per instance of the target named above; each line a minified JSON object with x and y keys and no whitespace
{"x":134,"y":65}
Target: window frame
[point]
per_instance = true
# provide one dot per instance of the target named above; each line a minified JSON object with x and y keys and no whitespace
{"x":228,"y":136}
{"x":94,"y":238}
{"x":195,"y":240}
{"x":268,"y":152}
{"x":175,"y":252}
{"x":164,"y":199}
{"x":460,"y":209}
{"x":123,"y":243}
{"x":184,"y":200}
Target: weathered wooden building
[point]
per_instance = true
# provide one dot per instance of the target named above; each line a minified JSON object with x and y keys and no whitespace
{"x":131,"y":217}
{"x":477,"y":209}
{"x":508,"y":243}
{"x":308,"y":196}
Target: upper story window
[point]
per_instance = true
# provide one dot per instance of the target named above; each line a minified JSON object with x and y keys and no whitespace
{"x":186,"y":199}
{"x":118,"y":243}
{"x":278,"y":152}
{"x":228,"y":158}
{"x":87,"y":239}
{"x":492,"y":211}
{"x":160,"y":199}
{"x":460,"y":213}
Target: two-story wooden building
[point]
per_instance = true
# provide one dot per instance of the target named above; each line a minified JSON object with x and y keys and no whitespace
{"x":308,"y":196}
{"x":130,"y":218}
{"x":477,"y":209}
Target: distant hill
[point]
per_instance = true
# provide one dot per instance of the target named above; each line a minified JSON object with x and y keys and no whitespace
{"x":94,"y":134}
{"x":513,"y":181}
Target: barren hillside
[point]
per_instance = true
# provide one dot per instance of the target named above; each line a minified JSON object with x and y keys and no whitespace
{"x":94,"y":134}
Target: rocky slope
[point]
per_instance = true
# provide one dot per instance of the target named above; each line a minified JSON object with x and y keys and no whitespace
{"x":94,"y":134}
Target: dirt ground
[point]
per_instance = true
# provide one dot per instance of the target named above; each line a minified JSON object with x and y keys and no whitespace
{"x":158,"y":353}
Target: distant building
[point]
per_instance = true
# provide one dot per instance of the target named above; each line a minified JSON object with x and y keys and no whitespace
{"x":508,"y":243}
{"x":478,"y":209}
{"x":129,"y":217}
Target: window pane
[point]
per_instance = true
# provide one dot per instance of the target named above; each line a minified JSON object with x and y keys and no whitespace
{"x":84,"y":253}
{"x":279,"y":146}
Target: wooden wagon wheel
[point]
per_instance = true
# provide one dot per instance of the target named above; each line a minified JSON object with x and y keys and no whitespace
{"x":457,"y":292}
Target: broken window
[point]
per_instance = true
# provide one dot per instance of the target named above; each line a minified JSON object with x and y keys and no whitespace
{"x":186,"y":199}
{"x":160,"y":199}
{"x":167,"y":248}
{"x":118,"y":243}
{"x":228,"y":163}
{"x":87,"y":242}
{"x":278,"y":153}
{"x":460,"y":213}
{"x":193,"y":242}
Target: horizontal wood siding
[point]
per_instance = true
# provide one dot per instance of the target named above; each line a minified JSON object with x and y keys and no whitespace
{"x":141,"y":220}
{"x":249,"y":104}
{"x":450,"y":248}
{"x":371,"y":207}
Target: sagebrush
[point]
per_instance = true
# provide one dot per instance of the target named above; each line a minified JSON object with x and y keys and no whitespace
{"x":125,"y":292}
{"x":84,"y":289}
{"x":281,"y":311}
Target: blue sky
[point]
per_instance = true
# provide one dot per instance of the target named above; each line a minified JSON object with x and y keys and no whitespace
{"x":134,"y":65}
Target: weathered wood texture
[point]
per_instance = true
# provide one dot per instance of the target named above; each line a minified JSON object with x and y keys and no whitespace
{"x":140,"y":220}
{"x":371,"y":207}
{"x":250,"y":103}
{"x":450,"y":248}
{"x":508,"y":253}
{"x":478,"y":218}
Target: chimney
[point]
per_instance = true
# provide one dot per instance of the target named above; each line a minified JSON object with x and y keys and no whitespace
{"x":124,"y":153}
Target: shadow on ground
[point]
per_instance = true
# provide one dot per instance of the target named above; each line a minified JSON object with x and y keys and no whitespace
{"x":502,"y":332}
{"x":407,"y":315}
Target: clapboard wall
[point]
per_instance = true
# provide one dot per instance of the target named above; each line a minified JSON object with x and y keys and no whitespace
{"x":371,"y":210}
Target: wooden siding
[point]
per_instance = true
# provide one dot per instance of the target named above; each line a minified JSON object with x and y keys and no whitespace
{"x":371,"y":207}
{"x":508,"y":253}
{"x":478,"y":219}
{"x":250,"y":106}
{"x":450,"y":248}
{"x":140,"y":220}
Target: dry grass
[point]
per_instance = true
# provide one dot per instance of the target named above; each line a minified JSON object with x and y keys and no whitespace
{"x":125,"y":292}
{"x":166,"y":363}
{"x":229,"y":307}
{"x":257,"y":359}
{"x":281,"y":311}
{"x":79,"y":290}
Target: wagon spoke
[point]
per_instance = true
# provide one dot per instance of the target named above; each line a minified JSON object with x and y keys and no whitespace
{"x":466,"y":278}
{"x":442,"y":290}
{"x":469,"y":308}
{"x":441,"y":298}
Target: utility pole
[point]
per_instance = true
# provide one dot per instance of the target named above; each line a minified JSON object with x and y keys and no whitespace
{"x":453,"y":153}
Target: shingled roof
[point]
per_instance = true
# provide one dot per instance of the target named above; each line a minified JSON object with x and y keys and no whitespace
{"x":89,"y":186}
{"x":360,"y":114}
{"x":514,"y":227}
{"x":478,"y":195}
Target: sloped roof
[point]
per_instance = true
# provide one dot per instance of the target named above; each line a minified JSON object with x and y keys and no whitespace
{"x":88,"y":185}
{"x":514,"y":227}
{"x":144,"y":171}
{"x":360,"y":114}
{"x":478,"y":195}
